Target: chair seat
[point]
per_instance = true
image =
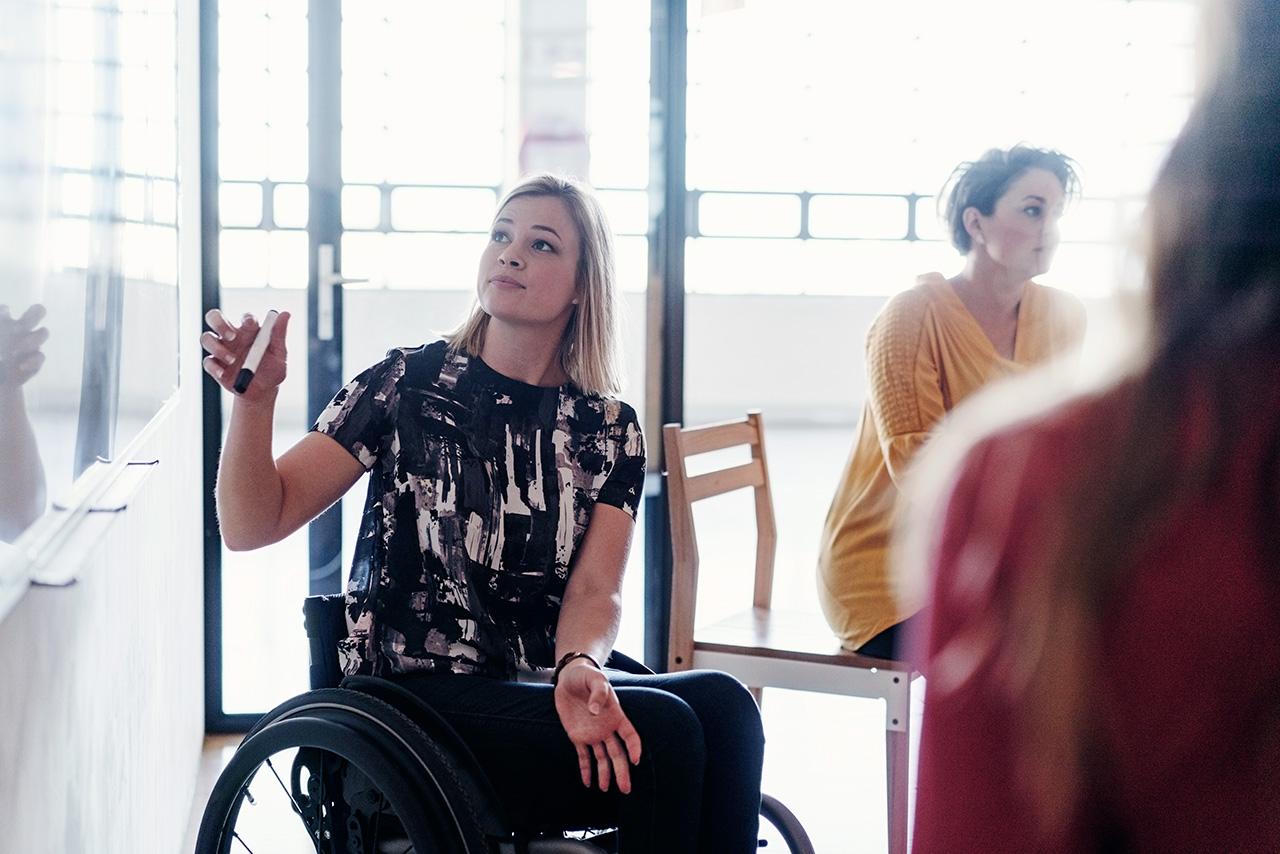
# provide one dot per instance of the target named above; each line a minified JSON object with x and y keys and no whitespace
{"x":765,"y":647}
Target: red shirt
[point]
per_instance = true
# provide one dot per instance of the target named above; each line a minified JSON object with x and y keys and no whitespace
{"x":1186,"y":686}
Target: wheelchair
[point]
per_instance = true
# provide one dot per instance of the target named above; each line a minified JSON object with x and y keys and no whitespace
{"x":359,"y":765}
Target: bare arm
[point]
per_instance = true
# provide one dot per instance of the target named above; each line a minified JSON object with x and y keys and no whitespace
{"x":22,"y":497}
{"x":592,"y":607}
{"x":589,"y":617}
{"x":261,"y":500}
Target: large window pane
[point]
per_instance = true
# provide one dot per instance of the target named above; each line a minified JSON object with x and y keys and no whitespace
{"x":887,"y":98}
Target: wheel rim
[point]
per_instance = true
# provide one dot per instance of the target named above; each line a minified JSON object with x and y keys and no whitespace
{"x":308,"y":786}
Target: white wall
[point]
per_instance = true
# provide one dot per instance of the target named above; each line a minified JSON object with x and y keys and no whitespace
{"x":101,"y":683}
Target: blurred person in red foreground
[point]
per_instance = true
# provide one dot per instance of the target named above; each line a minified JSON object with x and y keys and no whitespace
{"x":1104,"y":652}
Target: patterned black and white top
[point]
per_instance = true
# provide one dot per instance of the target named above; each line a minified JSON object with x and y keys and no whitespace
{"x":480,"y":491}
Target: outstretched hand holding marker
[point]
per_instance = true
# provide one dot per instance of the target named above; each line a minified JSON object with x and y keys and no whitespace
{"x":249,"y":359}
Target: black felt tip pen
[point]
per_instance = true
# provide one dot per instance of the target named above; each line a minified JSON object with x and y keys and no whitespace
{"x":256,"y":349}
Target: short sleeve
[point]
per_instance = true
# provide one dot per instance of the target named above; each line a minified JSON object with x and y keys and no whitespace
{"x":625,"y":483}
{"x":361,"y":415}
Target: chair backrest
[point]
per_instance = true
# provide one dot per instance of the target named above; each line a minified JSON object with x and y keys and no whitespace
{"x":683,"y":491}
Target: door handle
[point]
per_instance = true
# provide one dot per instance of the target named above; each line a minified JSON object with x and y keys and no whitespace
{"x":327,"y":280}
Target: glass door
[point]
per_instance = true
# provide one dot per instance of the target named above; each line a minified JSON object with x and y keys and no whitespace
{"x":274,"y":202}
{"x":360,"y":149}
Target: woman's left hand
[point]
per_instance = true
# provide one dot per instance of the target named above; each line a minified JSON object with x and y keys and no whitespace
{"x":20,"y":341}
{"x":597,"y":726}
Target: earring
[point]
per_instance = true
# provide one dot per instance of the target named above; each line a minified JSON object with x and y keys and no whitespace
{"x":575,"y":302}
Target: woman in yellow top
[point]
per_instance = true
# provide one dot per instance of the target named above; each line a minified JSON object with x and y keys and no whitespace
{"x":930,"y":348}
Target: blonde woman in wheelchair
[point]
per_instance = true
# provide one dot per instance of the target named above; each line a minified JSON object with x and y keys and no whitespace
{"x":504,"y":484}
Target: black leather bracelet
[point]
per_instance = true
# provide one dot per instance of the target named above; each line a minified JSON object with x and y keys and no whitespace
{"x":570,"y":656}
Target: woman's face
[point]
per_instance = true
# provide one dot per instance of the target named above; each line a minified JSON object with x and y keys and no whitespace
{"x":528,"y":270}
{"x":1021,"y":234}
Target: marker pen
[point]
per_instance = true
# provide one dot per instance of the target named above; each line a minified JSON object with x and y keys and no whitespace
{"x":259,"y":346}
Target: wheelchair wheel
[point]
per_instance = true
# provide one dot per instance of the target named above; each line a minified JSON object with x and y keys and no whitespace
{"x":337,"y":772}
{"x":786,"y":824}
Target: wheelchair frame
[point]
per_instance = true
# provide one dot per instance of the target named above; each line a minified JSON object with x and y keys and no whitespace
{"x":372,"y":757}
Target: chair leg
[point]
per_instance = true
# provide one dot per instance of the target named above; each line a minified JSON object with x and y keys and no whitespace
{"x":897,"y":763}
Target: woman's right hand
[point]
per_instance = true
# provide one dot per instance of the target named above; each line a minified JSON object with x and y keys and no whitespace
{"x":228,"y":344}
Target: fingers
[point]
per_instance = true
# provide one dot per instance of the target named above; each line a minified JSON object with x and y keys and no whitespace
{"x":33,"y":315}
{"x":221,"y":335}
{"x":278,"y":331}
{"x":603,"y":767}
{"x":24,"y":345}
{"x":20,"y":343}
{"x":621,"y":767}
{"x":612,"y":756}
{"x":584,"y":765}
{"x":606,"y":742}
{"x":215,"y":369}
{"x":631,"y":740}
{"x":600,"y":696}
{"x":223,"y":330}
{"x":228,"y":343}
{"x":608,"y":759}
{"x":222,"y":327}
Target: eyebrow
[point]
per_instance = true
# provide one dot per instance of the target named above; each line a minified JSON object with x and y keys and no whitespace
{"x":1041,"y":199}
{"x":510,"y":221}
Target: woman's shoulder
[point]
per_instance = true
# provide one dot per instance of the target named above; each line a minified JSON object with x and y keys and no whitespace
{"x":1053,"y":298}
{"x":436,"y":350}
{"x":610,"y":410}
{"x":930,"y":289}
{"x":906,"y":312}
{"x":420,"y":364}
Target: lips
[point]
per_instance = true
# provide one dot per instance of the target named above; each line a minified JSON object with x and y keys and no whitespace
{"x":505,"y":280}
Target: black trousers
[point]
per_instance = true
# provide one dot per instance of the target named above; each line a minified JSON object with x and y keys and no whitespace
{"x":695,"y":789}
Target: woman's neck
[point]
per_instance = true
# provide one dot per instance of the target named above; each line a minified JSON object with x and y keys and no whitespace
{"x":993,"y":298}
{"x":528,"y":358}
{"x":990,"y":286}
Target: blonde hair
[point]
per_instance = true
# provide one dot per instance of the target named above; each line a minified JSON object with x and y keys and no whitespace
{"x":589,"y":349}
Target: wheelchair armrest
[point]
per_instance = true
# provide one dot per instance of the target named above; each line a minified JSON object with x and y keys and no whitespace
{"x":625,"y":663}
{"x":325,"y":620}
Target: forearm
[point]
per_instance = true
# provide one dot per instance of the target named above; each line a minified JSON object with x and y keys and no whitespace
{"x":250,"y":492}
{"x":592,"y":606}
{"x":589,"y":623}
{"x":23,"y":496}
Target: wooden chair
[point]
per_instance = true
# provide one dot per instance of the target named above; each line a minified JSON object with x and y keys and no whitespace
{"x":762,"y":646}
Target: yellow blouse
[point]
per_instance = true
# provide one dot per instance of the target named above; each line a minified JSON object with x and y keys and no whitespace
{"x":925,"y":354}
